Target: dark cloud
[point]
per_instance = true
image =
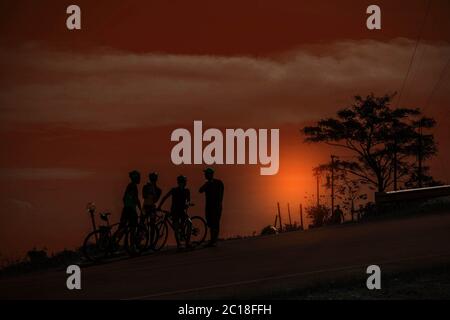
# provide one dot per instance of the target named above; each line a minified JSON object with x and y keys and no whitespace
{"x":116,"y":89}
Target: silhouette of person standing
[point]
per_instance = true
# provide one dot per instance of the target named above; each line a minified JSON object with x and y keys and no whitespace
{"x":151,"y":194}
{"x":360,"y":212}
{"x":131,"y":201}
{"x":213,"y":190}
{"x":338,"y":215}
{"x":181,"y":198}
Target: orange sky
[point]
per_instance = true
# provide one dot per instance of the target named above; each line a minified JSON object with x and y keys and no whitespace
{"x":80,"y":109}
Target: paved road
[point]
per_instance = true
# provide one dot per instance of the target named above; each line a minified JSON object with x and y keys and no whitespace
{"x":255,"y":266}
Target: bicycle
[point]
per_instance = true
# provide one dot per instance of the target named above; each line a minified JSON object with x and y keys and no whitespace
{"x":149,"y":225}
{"x":106,"y":240}
{"x":194,"y":227}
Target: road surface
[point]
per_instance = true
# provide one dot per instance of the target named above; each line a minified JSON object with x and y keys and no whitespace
{"x":250,"y":267}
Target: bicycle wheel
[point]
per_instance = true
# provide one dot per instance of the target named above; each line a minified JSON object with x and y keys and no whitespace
{"x":137,"y":240}
{"x":153,"y":235}
{"x":198,"y":230}
{"x":162,"y":233}
{"x":97,"y":244}
{"x":117,"y":242}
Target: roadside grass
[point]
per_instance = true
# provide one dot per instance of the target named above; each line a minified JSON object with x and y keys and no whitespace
{"x":431,"y":283}
{"x":39,"y":260}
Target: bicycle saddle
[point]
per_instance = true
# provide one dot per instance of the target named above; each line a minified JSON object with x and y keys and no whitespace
{"x":105,"y":215}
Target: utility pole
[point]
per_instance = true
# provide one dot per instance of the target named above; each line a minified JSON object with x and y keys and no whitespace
{"x":318,"y":183}
{"x":92,"y":211}
{"x":419,"y":157}
{"x":332,"y":184}
{"x":279,"y":217}
{"x":289,"y":212}
{"x":395,"y":164}
{"x":301,"y":216}
{"x":395,"y":133}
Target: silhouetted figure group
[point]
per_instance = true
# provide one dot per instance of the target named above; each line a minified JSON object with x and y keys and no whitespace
{"x":180,"y":200}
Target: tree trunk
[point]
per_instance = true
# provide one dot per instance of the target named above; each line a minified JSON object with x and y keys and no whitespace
{"x":380,"y":182}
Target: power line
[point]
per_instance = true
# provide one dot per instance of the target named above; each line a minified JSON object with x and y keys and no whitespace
{"x":422,"y":55}
{"x":427,"y":104}
{"x":437,"y":84}
{"x":405,"y":80}
{"x":430,"y":97}
{"x":411,"y":62}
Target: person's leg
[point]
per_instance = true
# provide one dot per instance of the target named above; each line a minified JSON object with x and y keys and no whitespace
{"x":124,"y":218}
{"x":213,"y":226}
{"x":216,"y":225}
{"x":211,"y":221}
{"x":176,"y":229}
{"x":152,"y":226}
{"x":187,"y":229}
{"x":214,"y":234}
{"x":132,"y":226}
{"x":150,"y":217}
{"x":208,"y":224}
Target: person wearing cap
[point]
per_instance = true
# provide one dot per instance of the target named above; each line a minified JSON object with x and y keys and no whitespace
{"x":213,"y":190}
{"x":151,"y":194}
{"x":131,"y":201}
{"x":181,"y":198}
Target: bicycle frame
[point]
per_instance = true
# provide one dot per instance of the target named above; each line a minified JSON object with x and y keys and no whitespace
{"x":107,"y":227}
{"x":168,"y":219}
{"x":105,"y":239}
